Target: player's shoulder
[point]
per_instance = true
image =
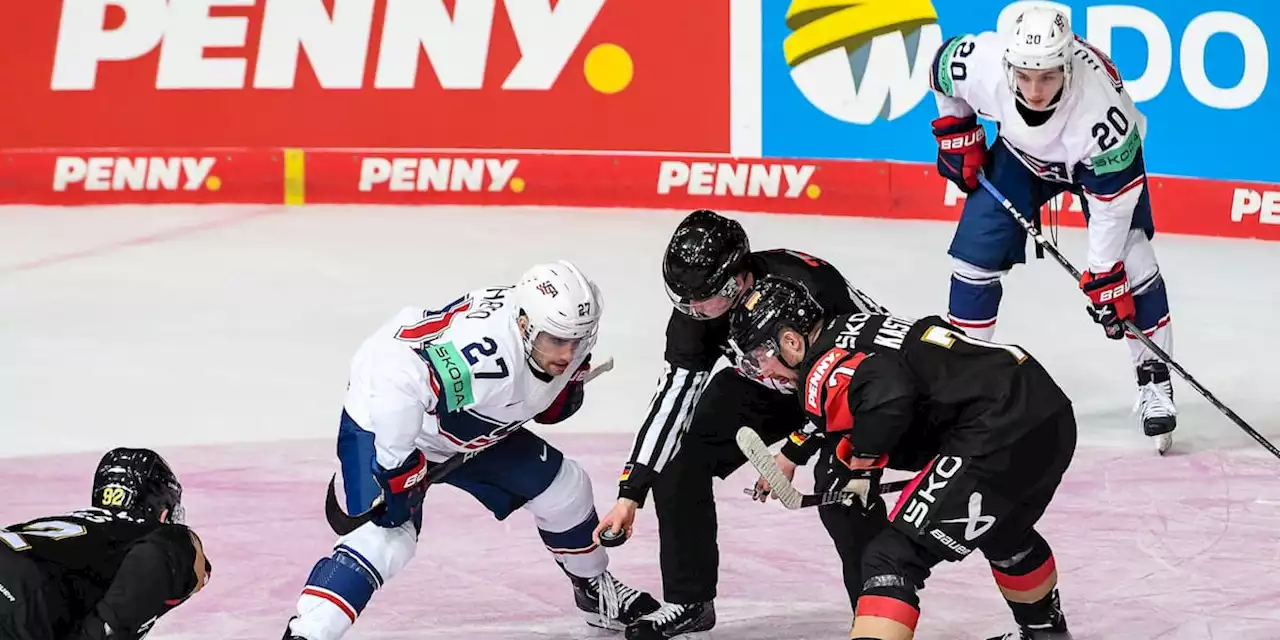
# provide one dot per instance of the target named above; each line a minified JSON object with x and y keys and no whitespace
{"x":480,"y":355}
{"x":1107,"y":128}
{"x":967,"y":60}
{"x":797,"y":265}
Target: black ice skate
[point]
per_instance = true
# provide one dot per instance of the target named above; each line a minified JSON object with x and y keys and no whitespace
{"x":674,"y":621}
{"x":1026,"y":633}
{"x":1155,"y":403}
{"x":607,"y":603}
{"x":288,"y":633}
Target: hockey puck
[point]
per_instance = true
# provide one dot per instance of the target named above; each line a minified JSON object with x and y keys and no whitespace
{"x":610,"y":539}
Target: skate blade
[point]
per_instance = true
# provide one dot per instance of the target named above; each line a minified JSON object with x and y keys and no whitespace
{"x":1162,"y":442}
{"x":600,"y":622}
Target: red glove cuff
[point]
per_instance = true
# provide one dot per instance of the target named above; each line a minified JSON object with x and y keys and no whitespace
{"x":846,"y":455}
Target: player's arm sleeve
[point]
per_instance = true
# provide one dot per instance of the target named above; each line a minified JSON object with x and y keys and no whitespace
{"x":950,"y":73}
{"x":1113,"y":181}
{"x":838,"y":297}
{"x":875,"y":406}
{"x":802,"y":444}
{"x":692,"y":351}
{"x":157,"y":574}
{"x":389,"y":392}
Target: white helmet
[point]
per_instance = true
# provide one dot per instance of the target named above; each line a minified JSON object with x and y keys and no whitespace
{"x":1042,"y":39}
{"x":559,"y":300}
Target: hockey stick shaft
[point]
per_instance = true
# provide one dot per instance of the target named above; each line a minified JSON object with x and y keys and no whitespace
{"x":758,"y":455}
{"x":1133,"y":329}
{"x":342,"y":524}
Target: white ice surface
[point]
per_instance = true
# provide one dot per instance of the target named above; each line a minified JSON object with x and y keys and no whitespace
{"x":221,"y":335}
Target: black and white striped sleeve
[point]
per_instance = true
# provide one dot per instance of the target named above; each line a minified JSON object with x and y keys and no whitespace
{"x":693,"y":347}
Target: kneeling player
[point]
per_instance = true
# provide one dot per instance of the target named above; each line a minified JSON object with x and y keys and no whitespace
{"x":108,"y":571}
{"x":997,"y":431}
{"x":431,"y":385}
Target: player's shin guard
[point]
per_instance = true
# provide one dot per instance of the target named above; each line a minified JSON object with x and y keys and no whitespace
{"x":575,"y":550}
{"x":975,"y":299}
{"x":1028,"y":581}
{"x":888,"y":610}
{"x":1155,"y":404}
{"x":1151,"y":315}
{"x":565,"y":513}
{"x":337,"y":591}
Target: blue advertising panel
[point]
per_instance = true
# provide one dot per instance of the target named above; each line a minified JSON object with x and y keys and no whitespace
{"x":849,"y":79}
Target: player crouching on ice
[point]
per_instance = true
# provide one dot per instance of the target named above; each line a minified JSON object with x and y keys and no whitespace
{"x":110,"y":571}
{"x":989,"y":431}
{"x":1066,"y":124}
{"x":430,"y":385}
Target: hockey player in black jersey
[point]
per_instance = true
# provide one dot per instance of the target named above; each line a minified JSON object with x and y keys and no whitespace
{"x":107,"y":572}
{"x":687,"y":437}
{"x":986,"y":427}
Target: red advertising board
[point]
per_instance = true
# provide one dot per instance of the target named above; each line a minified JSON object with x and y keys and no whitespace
{"x":599,"y":180}
{"x":142,"y":176}
{"x":569,"y":74}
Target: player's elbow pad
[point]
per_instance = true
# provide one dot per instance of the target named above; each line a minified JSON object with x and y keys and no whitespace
{"x":566,"y":404}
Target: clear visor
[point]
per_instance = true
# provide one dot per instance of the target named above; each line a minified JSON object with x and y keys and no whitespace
{"x":713,"y":306}
{"x":752,"y":362}
{"x":553,"y":352}
{"x":177,"y":515}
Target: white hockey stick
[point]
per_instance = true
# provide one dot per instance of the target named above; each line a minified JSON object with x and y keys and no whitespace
{"x":761,"y":458}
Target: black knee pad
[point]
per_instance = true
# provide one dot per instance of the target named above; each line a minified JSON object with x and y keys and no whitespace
{"x":1030,"y":555}
{"x":896,"y":567}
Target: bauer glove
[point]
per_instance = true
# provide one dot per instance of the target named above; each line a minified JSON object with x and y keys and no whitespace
{"x":403,"y":489}
{"x":962,"y":150}
{"x":1110,"y":298}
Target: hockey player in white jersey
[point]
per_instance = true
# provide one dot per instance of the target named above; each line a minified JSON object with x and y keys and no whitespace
{"x":429,"y":385}
{"x":1066,"y":123}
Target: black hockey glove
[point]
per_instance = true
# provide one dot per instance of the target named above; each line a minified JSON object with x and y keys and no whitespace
{"x":862,"y":484}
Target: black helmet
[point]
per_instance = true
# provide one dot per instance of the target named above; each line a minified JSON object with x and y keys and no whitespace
{"x":138,"y":482}
{"x":706,"y":251}
{"x":773,"y":304}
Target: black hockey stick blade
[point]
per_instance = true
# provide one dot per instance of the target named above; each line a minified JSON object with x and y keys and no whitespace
{"x":339,"y":521}
{"x":761,"y":458}
{"x":342,"y":524}
{"x":1128,"y":324}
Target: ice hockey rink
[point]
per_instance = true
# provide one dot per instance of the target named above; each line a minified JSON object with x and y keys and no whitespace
{"x":221,"y":336}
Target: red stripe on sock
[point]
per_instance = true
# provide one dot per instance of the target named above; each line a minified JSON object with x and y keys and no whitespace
{"x":1150,"y":333}
{"x":337,"y":602}
{"x":889,"y":608}
{"x":909,"y":489}
{"x":1027,"y":582}
{"x":971,"y":324}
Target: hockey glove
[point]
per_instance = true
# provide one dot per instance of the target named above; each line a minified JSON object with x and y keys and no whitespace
{"x":403,"y":489}
{"x":570,"y":398}
{"x":962,"y":150}
{"x":853,"y":474}
{"x":1112,"y":301}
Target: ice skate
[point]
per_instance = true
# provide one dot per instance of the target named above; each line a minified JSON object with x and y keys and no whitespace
{"x":688,"y":621}
{"x":607,"y":603}
{"x":1026,"y":633}
{"x":1155,"y":404}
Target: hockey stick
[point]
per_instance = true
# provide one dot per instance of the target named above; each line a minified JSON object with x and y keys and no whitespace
{"x":757,"y":452}
{"x":1128,"y":324}
{"x":342,"y":524}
